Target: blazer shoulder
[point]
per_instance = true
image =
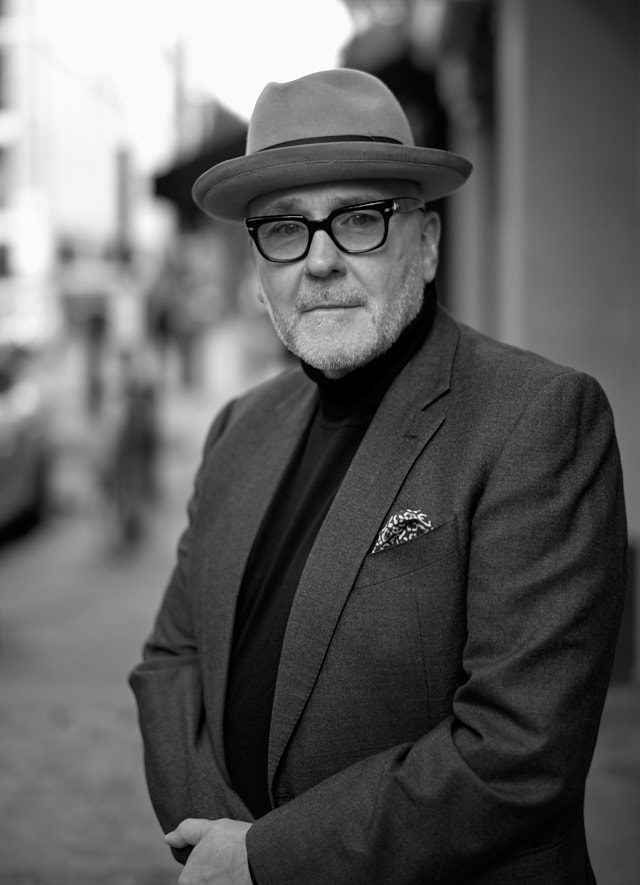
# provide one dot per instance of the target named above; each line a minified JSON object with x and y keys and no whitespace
{"x":493,"y":363}
{"x":266,"y":400}
{"x":259,"y":410}
{"x":497,"y":382}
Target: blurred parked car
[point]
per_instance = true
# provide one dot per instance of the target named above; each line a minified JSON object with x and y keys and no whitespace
{"x":25,"y":444}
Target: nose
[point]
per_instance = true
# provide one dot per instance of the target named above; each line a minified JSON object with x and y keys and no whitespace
{"x":324,"y":259}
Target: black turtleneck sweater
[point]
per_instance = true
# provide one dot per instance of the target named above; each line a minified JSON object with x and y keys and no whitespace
{"x":284,"y":540}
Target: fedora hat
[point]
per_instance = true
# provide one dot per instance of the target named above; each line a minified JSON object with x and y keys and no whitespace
{"x":334,"y":125}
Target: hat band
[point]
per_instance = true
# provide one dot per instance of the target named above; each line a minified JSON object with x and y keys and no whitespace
{"x":329,"y":138}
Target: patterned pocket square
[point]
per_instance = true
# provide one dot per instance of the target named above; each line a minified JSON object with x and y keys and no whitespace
{"x":402,"y":527}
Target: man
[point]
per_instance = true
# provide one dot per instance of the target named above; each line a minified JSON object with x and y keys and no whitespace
{"x":384,"y":650}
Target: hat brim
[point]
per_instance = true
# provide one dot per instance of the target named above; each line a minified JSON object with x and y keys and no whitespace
{"x":225,"y":190}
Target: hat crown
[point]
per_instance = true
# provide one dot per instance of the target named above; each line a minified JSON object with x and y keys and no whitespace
{"x":342,"y":102}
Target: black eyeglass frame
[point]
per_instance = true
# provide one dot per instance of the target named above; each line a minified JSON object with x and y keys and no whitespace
{"x":387,"y":208}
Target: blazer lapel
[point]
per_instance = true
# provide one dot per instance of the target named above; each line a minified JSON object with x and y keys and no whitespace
{"x":253,"y":472}
{"x":408,"y":417}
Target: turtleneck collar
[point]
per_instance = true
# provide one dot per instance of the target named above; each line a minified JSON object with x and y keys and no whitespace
{"x":358,"y":394}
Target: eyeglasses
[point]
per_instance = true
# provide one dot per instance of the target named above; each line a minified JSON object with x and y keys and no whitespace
{"x":354,"y":229}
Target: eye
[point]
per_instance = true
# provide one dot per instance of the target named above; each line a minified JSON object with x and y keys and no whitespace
{"x":282,"y":229}
{"x":359,"y":218}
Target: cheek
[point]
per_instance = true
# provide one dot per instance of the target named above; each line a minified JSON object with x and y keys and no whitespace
{"x":276,"y":287}
{"x":401,"y":270}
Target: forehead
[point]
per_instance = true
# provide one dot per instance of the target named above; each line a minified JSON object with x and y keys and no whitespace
{"x":328,"y":196}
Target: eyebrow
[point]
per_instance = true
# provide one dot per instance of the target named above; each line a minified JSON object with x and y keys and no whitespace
{"x":291,"y":206}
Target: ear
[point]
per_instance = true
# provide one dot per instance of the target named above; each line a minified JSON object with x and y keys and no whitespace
{"x":430,"y":237}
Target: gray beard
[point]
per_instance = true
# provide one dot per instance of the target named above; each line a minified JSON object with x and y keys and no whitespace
{"x":312,"y":346}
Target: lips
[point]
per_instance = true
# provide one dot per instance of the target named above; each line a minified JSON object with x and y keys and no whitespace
{"x":339,"y":298}
{"x":325,"y":306}
{"x":308,"y":304}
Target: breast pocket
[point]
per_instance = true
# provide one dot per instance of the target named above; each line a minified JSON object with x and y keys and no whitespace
{"x":411,"y":556}
{"x":396,"y":644}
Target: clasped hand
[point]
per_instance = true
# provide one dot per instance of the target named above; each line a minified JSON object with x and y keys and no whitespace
{"x":219,"y":856}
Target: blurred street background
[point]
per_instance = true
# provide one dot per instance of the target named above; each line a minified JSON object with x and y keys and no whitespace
{"x":127,"y":319}
{"x":76,"y":602}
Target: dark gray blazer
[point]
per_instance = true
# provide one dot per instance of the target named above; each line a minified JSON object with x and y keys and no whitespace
{"x":438,"y":702}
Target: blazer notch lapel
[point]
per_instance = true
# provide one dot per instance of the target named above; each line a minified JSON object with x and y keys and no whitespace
{"x":342,"y":543}
{"x":409,"y":416}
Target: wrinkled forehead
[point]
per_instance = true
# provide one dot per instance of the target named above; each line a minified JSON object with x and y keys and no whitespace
{"x":323,"y":198}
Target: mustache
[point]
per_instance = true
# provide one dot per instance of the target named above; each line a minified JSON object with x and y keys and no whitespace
{"x":337,"y":295}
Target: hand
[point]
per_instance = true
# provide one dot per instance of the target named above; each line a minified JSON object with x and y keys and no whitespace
{"x":219,"y":856}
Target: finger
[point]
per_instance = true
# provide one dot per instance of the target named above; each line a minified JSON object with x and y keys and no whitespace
{"x":189,"y":832}
{"x":175,"y":840}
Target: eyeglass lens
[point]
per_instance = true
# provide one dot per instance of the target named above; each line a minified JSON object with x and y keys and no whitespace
{"x":356,"y":230}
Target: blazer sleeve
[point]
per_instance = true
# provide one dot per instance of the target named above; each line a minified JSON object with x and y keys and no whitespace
{"x":545,"y":584}
{"x":183,"y":777}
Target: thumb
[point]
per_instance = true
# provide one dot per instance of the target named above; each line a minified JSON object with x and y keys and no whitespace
{"x":189,"y":832}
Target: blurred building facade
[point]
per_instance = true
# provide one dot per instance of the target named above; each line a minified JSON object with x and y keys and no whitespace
{"x":72,"y":186}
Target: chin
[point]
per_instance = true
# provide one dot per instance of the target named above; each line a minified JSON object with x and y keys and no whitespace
{"x":331,"y":357}
{"x":330,"y":344}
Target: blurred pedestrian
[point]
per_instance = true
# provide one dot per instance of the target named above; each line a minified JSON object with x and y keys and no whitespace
{"x":176,"y":317}
{"x":96,"y":334}
{"x":130,"y":469}
{"x":384,"y":650}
